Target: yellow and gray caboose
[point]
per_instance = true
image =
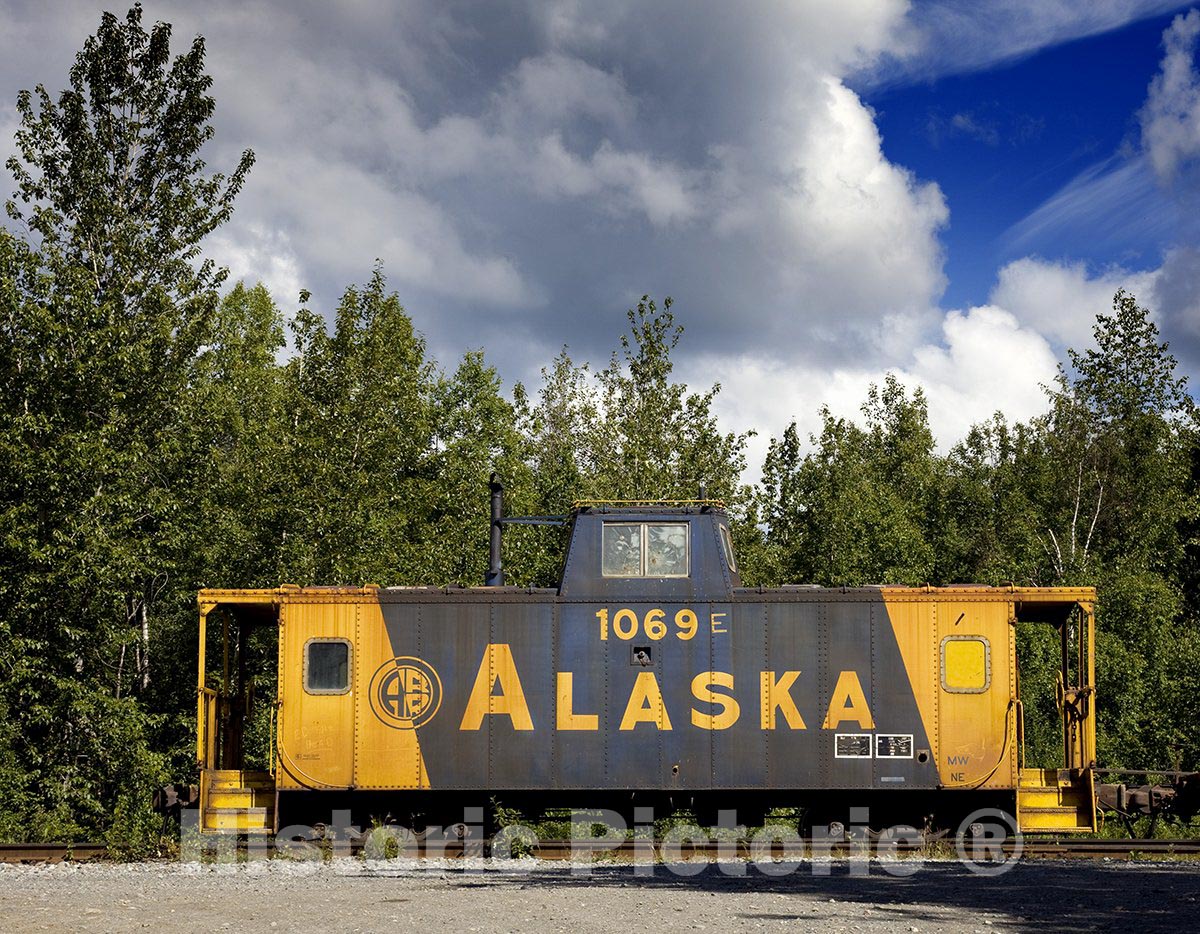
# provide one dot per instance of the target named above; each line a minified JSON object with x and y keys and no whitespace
{"x":649,"y":673}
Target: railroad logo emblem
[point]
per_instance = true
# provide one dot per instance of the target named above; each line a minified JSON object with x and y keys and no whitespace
{"x":405,"y":692}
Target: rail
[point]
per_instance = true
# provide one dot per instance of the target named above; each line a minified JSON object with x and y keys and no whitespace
{"x":51,"y":852}
{"x":550,"y":850}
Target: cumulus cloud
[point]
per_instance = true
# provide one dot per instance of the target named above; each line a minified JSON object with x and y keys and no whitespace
{"x":987,"y":361}
{"x":554,"y":87}
{"x":1170,"y":118}
{"x":769,"y":197}
{"x":1061,"y":299}
{"x":984,"y":360}
{"x":526,"y":170}
{"x":255,"y":254}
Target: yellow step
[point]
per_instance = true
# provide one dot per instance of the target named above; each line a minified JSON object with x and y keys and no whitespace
{"x":232,"y":779}
{"x":237,"y":819}
{"x":240,"y":798}
{"x":1056,"y":819}
{"x":1042,"y":778}
{"x":1052,"y":796}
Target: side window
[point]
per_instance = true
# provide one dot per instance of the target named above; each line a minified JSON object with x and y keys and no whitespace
{"x":966,"y":664}
{"x":727,"y":545}
{"x":327,"y":666}
{"x":622,"y":547}
{"x":644,"y":549}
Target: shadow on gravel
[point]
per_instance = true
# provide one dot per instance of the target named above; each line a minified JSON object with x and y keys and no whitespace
{"x":1035,"y":895}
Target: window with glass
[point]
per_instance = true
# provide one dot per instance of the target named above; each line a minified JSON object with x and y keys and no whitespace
{"x":327,"y":666}
{"x":727,"y":546}
{"x":645,"y":549}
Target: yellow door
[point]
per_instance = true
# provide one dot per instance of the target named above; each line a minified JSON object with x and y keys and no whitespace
{"x":976,"y":711}
{"x":317,"y":691}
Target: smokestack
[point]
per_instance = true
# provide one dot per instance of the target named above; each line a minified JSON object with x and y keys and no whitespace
{"x":495,"y":574}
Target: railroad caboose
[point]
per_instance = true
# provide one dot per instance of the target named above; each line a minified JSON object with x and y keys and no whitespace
{"x":649,"y":674}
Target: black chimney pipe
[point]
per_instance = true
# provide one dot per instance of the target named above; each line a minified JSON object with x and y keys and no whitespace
{"x":495,"y":574}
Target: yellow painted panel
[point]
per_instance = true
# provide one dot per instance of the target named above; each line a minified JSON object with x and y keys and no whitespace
{"x":398,"y":695}
{"x":914,"y":624}
{"x":977,"y":730}
{"x":316,"y":731}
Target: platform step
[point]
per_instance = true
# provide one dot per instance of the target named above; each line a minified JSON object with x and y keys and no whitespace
{"x":1047,"y":802}
{"x":1055,"y":819}
{"x":232,"y":779}
{"x":1042,"y":778}
{"x":1053,"y":796}
{"x":238,"y":819}
{"x":241,"y":798}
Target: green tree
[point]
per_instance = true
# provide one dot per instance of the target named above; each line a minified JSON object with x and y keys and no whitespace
{"x":110,"y":179}
{"x":629,"y":431}
{"x":476,"y":434}
{"x":655,"y":439}
{"x":1115,"y":500}
{"x":105,"y":306}
{"x":356,"y":453}
{"x":860,"y":506}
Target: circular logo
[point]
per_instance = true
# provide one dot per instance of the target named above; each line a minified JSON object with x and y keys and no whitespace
{"x":405,"y":692}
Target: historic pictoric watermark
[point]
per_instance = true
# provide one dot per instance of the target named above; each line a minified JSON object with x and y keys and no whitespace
{"x":987,"y":842}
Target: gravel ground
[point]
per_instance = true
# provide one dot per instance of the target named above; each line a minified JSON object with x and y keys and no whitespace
{"x":348,"y":895}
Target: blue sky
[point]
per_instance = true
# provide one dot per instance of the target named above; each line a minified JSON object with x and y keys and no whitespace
{"x":831,"y":191}
{"x":1004,"y":140}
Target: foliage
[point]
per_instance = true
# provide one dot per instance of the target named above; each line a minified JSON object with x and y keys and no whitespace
{"x":157,"y":436}
{"x":104,"y":309}
{"x":860,"y":507}
{"x":629,"y":432}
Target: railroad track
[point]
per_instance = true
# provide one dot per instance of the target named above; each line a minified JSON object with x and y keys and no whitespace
{"x":1038,"y":848}
{"x":51,"y":852}
{"x":553,"y":850}
{"x":1117,"y":849}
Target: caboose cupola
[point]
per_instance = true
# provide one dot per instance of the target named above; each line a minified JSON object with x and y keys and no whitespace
{"x":676,"y":551}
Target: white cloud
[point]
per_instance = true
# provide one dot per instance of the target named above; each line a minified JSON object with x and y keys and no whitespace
{"x":857,"y":220}
{"x":418,"y":242}
{"x":849,"y":239}
{"x":829,"y":36}
{"x":1061,"y":299}
{"x":254,"y":254}
{"x":796,"y":204}
{"x":1171,"y":116}
{"x":987,"y":362}
{"x":556,"y":87}
{"x":1114,"y":204}
{"x":984,"y":361}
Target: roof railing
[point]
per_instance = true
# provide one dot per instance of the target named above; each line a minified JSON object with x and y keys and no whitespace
{"x":643,"y":503}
